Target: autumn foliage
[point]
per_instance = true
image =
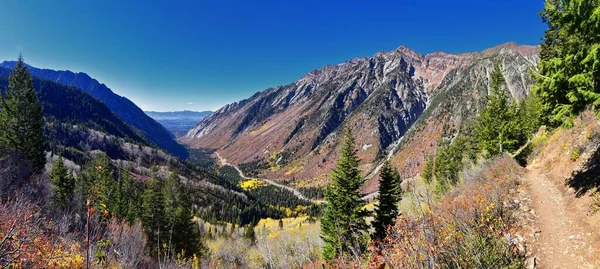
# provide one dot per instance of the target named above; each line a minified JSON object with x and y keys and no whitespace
{"x":469,"y":227}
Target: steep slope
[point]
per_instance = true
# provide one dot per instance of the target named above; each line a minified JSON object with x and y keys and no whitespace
{"x":178,"y":122}
{"x":120,"y":105}
{"x":70,"y":105}
{"x":293,"y":130}
{"x":457,"y":99}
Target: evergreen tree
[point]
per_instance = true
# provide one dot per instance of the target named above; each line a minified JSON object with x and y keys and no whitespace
{"x":343,"y":226}
{"x":154,"y":216}
{"x":126,"y":197}
{"x":22,"y":118}
{"x":250,"y":234}
{"x":497,"y":128}
{"x":530,"y":115}
{"x":428,"y":169}
{"x":183,"y":233}
{"x":448,"y":162}
{"x":389,"y":196}
{"x":63,"y":183}
{"x":105,"y":188}
{"x":569,"y":68}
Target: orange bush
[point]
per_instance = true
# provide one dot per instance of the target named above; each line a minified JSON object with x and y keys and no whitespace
{"x":26,"y":240}
{"x":467,"y":228}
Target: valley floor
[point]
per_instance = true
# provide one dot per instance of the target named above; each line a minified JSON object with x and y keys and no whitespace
{"x":224,"y":162}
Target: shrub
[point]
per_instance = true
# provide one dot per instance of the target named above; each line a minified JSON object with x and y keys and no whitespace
{"x":466,"y":229}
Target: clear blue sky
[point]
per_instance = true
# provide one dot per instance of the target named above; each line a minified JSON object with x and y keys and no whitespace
{"x":197,"y":55}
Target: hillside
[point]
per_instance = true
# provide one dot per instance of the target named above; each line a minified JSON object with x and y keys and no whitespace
{"x":70,"y":105}
{"x":178,"y":122}
{"x":292,"y":131}
{"x":122,"y":106}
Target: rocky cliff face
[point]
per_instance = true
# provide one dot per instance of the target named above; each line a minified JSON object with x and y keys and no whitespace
{"x":295,"y":129}
{"x":122,"y":106}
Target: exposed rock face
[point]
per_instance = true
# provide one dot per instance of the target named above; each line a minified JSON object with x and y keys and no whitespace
{"x":296,"y":128}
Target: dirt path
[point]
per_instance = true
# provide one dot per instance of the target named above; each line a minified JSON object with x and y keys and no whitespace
{"x":563,"y":238}
{"x":294,"y":191}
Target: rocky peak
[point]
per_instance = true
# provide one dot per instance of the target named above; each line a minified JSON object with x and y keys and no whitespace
{"x":378,"y":97}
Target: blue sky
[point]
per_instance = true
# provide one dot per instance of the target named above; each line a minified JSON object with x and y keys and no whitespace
{"x":199,"y":55}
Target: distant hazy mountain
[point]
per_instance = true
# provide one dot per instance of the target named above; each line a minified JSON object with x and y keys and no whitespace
{"x":122,"y":106}
{"x":178,"y":122}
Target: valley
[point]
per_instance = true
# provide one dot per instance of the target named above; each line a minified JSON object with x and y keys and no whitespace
{"x":456,"y":150}
{"x":178,"y":122}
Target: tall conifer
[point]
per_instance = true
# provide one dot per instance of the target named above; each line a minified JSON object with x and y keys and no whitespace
{"x":63,"y":183}
{"x":343,"y":226}
{"x":22,"y":118}
{"x":389,"y":196}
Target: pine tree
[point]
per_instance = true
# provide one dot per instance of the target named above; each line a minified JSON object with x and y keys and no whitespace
{"x":126,"y":197}
{"x":250,"y":234}
{"x":428,"y":169}
{"x":154,"y":216}
{"x":343,"y":226}
{"x":63,"y":183}
{"x":569,"y":69}
{"x":22,"y":118}
{"x":183,"y":233}
{"x":389,"y":197}
{"x":104,"y":186}
{"x":497,"y":128}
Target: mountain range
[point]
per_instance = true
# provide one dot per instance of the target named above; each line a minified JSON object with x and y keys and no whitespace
{"x":178,"y":122}
{"x":398,"y":104}
{"x":120,"y":105}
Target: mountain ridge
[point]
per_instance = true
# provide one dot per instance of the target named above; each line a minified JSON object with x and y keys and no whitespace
{"x":122,"y":106}
{"x":291,"y":127}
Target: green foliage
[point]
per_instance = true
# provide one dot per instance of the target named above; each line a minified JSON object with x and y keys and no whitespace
{"x":449,"y":161}
{"x":427,"y":173}
{"x":575,"y":154}
{"x":497,"y":126}
{"x":154,"y":216}
{"x":63,"y":183}
{"x":569,"y":70}
{"x":343,"y":226}
{"x":128,"y":198}
{"x":183,"y":235}
{"x":98,"y":185}
{"x":530,"y":114}
{"x":22,"y":118}
{"x":389,"y":197}
{"x":250,"y":234}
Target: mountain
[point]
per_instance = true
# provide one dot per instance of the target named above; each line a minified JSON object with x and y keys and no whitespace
{"x":389,"y":101}
{"x":69,"y":105}
{"x":122,"y":106}
{"x":178,"y":122}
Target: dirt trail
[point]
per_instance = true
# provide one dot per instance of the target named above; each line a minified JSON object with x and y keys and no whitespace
{"x":564,"y":237}
{"x":294,"y":191}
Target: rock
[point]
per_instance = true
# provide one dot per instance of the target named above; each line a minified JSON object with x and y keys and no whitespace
{"x":521,"y":249}
{"x":530,"y":262}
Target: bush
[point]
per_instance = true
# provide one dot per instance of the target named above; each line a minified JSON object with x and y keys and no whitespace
{"x":466,"y":229}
